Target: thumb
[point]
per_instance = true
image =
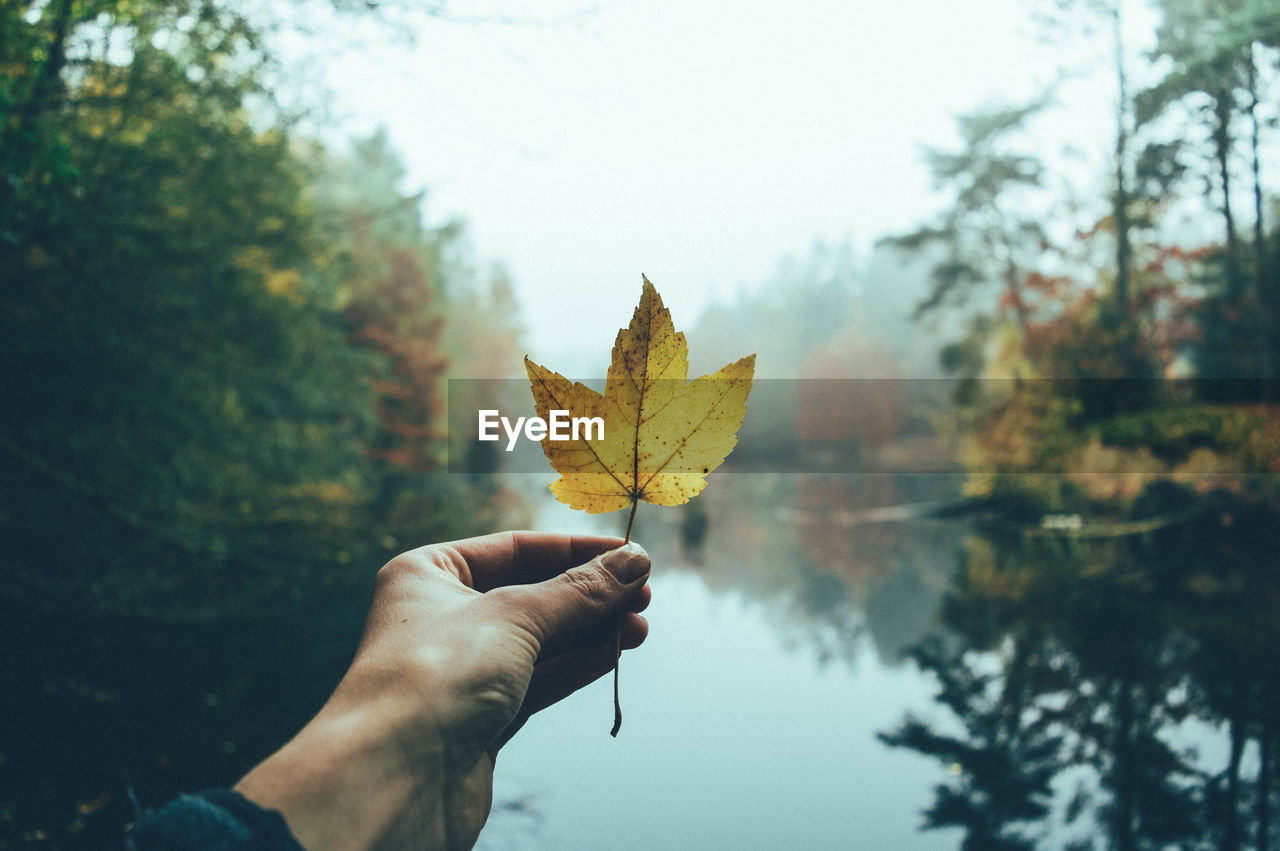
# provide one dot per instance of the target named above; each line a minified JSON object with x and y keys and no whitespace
{"x":582,"y":595}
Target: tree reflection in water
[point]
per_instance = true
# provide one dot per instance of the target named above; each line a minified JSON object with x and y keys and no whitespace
{"x":817,"y":551}
{"x":1080,"y":663}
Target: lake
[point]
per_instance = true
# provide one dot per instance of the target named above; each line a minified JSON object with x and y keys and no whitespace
{"x":750,"y":713}
{"x":821,"y":673}
{"x":833,"y":662}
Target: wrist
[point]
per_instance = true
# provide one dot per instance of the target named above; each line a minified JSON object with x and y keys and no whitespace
{"x":357,"y":776}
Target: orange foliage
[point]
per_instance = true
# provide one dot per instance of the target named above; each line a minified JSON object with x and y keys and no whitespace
{"x":1070,"y":335}
{"x":860,"y":402}
{"x":394,"y":317}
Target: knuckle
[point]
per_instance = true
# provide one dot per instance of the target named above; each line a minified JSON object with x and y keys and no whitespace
{"x":424,"y":562}
{"x":590,"y":584}
{"x":398,"y":569}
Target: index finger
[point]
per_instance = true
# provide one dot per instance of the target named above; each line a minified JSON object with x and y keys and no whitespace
{"x":520,"y":558}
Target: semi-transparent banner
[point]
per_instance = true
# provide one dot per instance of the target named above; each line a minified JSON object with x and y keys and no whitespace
{"x":1225,"y":426}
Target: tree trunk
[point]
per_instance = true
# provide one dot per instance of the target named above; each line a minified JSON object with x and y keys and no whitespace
{"x":1266,"y":306}
{"x":1122,"y":816}
{"x":1012,"y":276}
{"x":51,"y":70}
{"x":1231,"y":836}
{"x":1222,"y":154}
{"x":1124,"y":249}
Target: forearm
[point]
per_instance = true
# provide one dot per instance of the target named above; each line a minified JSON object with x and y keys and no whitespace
{"x":352,"y":779}
{"x":402,"y":754}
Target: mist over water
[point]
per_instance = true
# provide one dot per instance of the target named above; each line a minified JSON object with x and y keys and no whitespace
{"x":750,"y":713}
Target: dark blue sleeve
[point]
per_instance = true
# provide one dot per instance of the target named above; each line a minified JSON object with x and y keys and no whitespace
{"x":213,"y":820}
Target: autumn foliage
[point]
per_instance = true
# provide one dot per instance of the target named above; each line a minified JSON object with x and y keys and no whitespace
{"x":396,"y":319}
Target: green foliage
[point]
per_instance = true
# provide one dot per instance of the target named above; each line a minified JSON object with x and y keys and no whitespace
{"x":982,"y":238}
{"x":220,"y":353}
{"x":186,"y":295}
{"x":1220,"y":60}
{"x":1109,"y":320}
{"x":1244,"y":438}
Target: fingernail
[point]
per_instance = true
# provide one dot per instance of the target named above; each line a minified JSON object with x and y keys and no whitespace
{"x":627,"y":563}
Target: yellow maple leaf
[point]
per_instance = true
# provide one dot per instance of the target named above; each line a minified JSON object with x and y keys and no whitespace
{"x":662,"y":433}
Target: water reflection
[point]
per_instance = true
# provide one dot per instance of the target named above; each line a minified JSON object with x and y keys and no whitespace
{"x":735,"y":735}
{"x":832,"y":664}
{"x":1099,"y":684}
{"x":1111,"y":688}
{"x":832,"y":558}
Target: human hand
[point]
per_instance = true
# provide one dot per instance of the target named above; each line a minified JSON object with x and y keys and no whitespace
{"x":464,"y":641}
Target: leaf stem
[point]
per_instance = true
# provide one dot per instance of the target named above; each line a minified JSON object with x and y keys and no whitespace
{"x":635,"y":503}
{"x":617,"y":638}
{"x":617,"y":657}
